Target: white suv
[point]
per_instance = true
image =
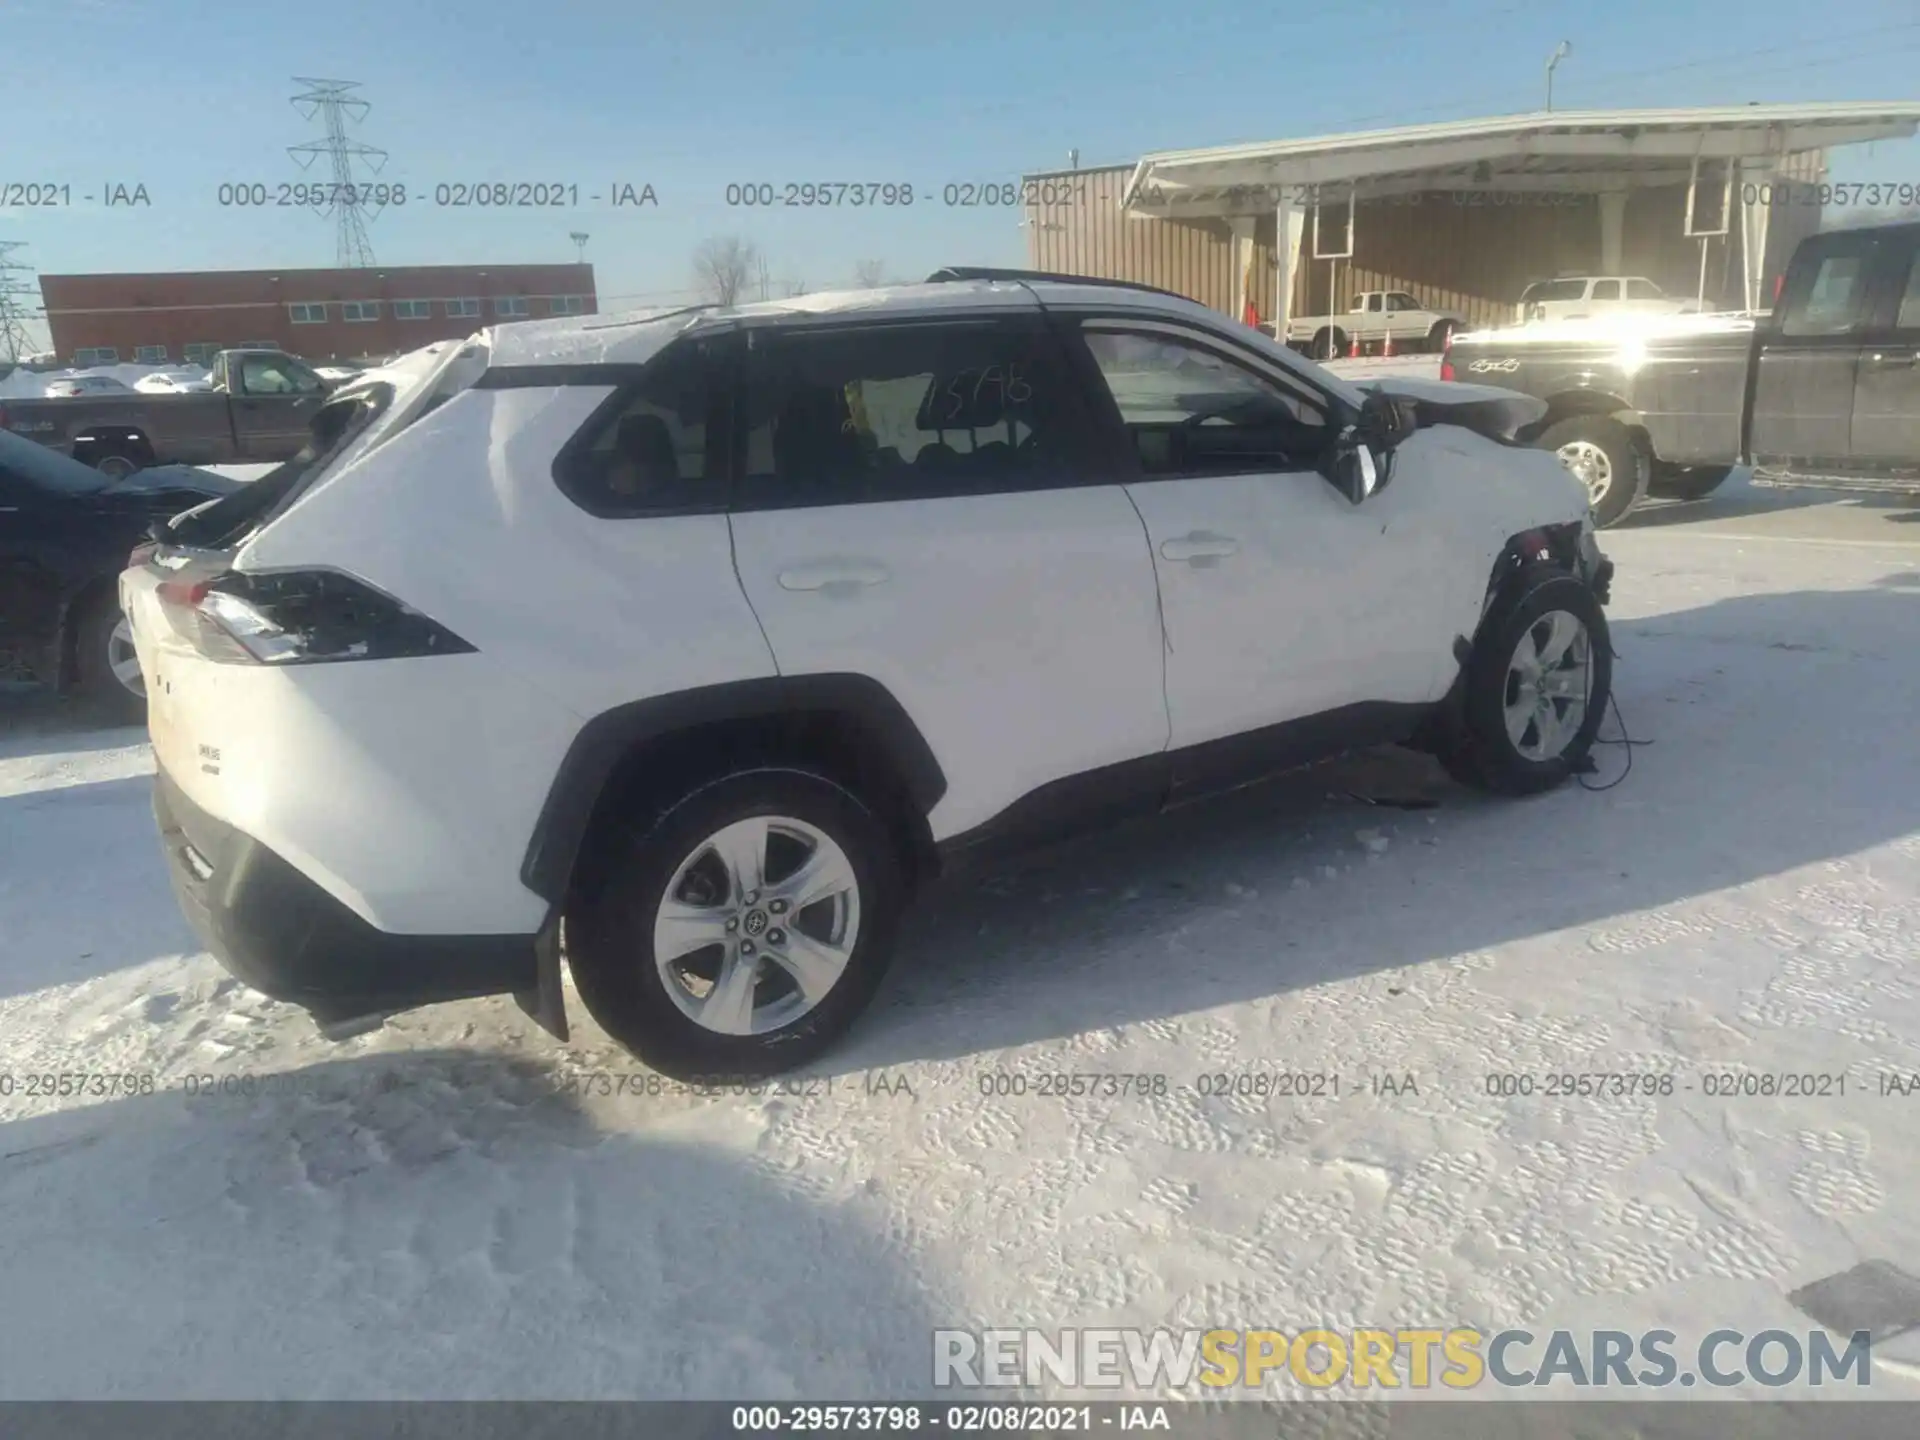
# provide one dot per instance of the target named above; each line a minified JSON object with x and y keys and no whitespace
{"x":685,"y":646}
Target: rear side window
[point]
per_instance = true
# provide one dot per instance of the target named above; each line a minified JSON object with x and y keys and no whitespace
{"x":1824,"y":299}
{"x":907,"y":411}
{"x":1606,"y":289}
{"x":1644,"y":290}
{"x":655,"y":446}
{"x":1908,"y":317}
{"x":1548,"y":292}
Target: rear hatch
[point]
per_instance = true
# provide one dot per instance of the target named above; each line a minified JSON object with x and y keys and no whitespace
{"x":160,"y":588}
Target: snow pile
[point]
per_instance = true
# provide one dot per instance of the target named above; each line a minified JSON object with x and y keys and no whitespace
{"x":458,"y":1207}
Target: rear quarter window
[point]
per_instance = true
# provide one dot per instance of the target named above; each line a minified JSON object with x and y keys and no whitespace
{"x":657,"y":445}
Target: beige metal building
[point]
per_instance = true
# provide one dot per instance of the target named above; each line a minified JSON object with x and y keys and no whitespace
{"x":1707,"y":203}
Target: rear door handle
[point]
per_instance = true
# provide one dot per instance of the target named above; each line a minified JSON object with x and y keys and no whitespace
{"x":835,"y":577}
{"x":1200,"y":549}
{"x":1896,"y":361}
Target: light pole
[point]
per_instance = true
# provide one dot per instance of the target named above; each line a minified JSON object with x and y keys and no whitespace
{"x":1560,"y":52}
{"x":579,"y":238}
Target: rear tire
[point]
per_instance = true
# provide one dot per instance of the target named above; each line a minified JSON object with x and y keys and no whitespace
{"x":661,"y":953}
{"x":1439,"y":335}
{"x":1600,"y":451}
{"x":1524,"y":727}
{"x":103,"y":653}
{"x":1688,"y":482}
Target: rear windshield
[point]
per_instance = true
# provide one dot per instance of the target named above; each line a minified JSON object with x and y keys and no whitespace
{"x":224,"y":524}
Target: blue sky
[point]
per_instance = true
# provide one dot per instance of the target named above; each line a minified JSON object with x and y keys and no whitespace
{"x":183,"y":95}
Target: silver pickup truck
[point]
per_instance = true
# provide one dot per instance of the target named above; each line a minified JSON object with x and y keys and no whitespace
{"x":258,"y":410}
{"x":1827,"y":384}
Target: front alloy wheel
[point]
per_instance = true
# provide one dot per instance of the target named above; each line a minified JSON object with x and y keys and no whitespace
{"x":757,"y":925}
{"x":1549,"y":678}
{"x":1534,"y":689}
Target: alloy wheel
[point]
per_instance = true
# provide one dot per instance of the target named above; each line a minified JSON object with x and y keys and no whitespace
{"x":1548,"y":681}
{"x":757,"y":925}
{"x":1591,"y":467}
{"x":124,"y":661}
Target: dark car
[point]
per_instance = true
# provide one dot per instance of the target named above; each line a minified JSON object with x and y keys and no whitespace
{"x":66,"y":531}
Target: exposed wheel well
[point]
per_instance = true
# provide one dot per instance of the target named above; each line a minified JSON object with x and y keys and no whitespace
{"x":653,"y":773}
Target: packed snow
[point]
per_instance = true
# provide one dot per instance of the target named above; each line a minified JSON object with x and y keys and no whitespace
{"x":457,"y":1206}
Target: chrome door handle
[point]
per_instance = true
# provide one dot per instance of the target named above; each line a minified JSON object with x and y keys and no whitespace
{"x":835,"y":577}
{"x":1904,"y":361}
{"x":1200,"y":549}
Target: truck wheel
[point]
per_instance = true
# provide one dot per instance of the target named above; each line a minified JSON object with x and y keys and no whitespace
{"x":1688,"y":482}
{"x":1601,"y":453}
{"x":745,"y":930}
{"x":1439,"y":335}
{"x":116,"y":466}
{"x":1535,"y":688}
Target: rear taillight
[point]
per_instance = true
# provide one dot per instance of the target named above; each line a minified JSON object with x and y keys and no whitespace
{"x":1446,"y":367}
{"x":305,"y":617}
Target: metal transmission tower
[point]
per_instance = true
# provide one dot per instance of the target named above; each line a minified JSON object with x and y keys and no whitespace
{"x":14,"y":314}
{"x":328,"y":100}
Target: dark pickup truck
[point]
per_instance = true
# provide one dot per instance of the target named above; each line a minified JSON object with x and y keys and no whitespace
{"x":258,"y":410}
{"x":1826,"y":385}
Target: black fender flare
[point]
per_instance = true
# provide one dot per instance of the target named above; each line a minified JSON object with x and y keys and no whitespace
{"x":605,"y":740}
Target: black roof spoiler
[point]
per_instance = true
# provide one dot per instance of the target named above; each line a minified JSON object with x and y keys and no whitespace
{"x":981,"y":272}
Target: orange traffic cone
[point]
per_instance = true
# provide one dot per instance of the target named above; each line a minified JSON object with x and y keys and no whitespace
{"x":1353,"y":348}
{"x":1386,"y":346}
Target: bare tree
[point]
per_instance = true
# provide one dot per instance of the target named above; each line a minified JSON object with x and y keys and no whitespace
{"x":723,"y":266}
{"x":869,"y":274}
{"x":792,"y":288}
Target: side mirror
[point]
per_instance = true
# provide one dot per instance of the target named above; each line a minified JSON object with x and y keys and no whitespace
{"x":1363,"y":457}
{"x":1356,"y":471}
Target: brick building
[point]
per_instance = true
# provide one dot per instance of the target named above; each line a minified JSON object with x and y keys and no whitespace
{"x":316,"y":314}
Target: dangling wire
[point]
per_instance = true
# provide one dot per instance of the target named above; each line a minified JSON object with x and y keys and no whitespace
{"x":1586,"y":766}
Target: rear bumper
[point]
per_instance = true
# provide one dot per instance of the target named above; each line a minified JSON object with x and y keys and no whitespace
{"x":280,"y":933}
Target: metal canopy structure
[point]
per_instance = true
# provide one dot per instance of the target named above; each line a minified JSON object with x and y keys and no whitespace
{"x":1713,"y":152}
{"x":1571,"y":150}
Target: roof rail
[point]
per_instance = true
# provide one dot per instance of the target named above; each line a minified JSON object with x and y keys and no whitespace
{"x":979,"y":272}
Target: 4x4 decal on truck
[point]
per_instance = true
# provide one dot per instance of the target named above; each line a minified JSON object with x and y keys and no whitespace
{"x":1504,"y":367}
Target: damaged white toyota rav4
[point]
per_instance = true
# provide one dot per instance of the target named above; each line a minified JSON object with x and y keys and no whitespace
{"x":681,"y":648}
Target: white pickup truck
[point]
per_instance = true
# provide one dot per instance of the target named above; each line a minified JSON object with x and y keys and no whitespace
{"x":1374,"y":317}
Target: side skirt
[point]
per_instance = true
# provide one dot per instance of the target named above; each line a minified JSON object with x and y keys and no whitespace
{"x":1136,"y":789}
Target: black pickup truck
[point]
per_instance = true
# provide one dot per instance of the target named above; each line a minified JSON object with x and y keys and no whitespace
{"x":258,"y":410}
{"x":1826,"y":385}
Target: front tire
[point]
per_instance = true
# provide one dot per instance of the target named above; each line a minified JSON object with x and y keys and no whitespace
{"x":744,"y":932}
{"x":1535,"y":688}
{"x":1601,"y":454}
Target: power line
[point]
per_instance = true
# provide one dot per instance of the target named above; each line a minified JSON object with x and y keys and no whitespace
{"x":14,"y":340}
{"x":328,"y":100}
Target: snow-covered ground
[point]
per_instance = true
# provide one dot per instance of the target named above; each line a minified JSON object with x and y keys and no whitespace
{"x":428,"y":1212}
